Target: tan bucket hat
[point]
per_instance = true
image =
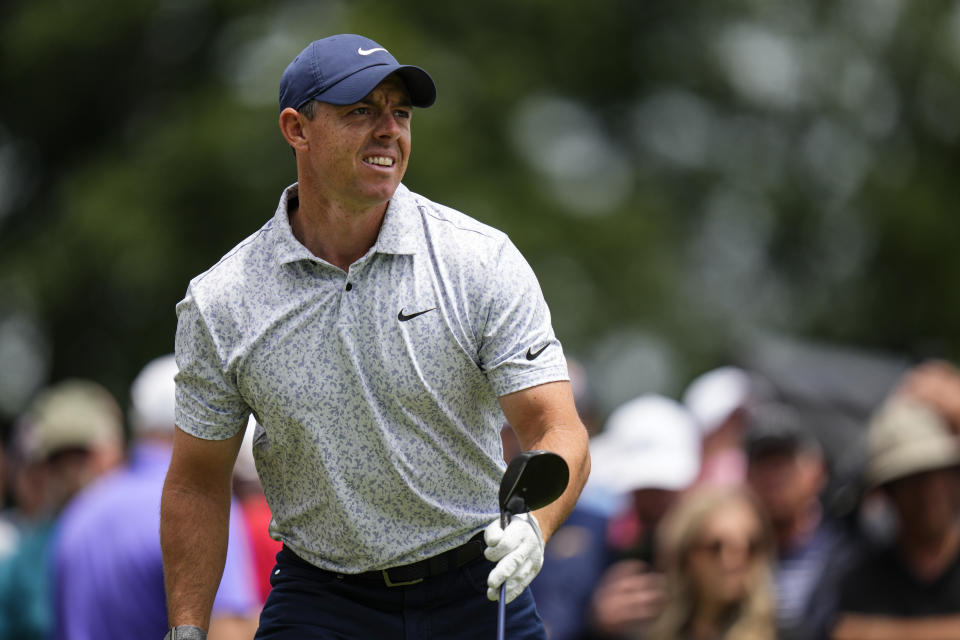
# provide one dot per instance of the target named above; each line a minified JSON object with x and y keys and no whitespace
{"x":75,"y":413}
{"x":906,"y":437}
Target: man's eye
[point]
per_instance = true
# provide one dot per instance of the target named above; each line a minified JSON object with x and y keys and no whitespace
{"x":362,"y":110}
{"x":402,"y":113}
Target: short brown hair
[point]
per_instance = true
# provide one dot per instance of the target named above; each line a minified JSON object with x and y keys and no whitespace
{"x":309,"y":109}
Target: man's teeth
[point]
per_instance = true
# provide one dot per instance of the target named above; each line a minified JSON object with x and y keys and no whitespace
{"x":380,"y":160}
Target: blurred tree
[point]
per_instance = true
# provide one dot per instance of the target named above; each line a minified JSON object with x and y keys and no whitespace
{"x":677,"y":173}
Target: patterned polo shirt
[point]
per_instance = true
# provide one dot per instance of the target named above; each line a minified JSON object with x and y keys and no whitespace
{"x":375,"y":389}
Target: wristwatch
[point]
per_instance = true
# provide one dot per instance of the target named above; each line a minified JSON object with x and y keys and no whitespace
{"x":185,"y":632}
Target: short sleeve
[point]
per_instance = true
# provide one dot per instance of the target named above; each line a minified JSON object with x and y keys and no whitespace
{"x":208,"y":403}
{"x":518,"y":348}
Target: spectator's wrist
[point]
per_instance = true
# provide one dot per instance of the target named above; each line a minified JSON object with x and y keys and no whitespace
{"x":186,"y":632}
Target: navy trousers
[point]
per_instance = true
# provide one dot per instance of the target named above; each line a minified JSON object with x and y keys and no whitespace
{"x":307,"y":603}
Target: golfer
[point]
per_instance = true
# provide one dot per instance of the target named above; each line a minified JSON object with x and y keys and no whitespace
{"x":380,"y":340}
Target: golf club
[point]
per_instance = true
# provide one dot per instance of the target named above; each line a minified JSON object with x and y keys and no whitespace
{"x":533,"y":479}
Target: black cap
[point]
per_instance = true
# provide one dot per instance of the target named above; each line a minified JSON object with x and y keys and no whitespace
{"x":776,"y":428}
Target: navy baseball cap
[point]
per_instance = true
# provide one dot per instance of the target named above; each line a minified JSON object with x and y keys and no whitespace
{"x":343,"y":69}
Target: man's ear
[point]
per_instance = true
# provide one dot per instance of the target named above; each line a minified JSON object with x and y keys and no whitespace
{"x":291,"y":126}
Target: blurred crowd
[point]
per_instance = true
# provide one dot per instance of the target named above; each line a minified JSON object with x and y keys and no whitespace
{"x":80,"y":530}
{"x":713,"y":515}
{"x":718,"y":515}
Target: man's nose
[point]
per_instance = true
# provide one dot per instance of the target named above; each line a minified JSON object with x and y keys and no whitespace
{"x":387,"y":126}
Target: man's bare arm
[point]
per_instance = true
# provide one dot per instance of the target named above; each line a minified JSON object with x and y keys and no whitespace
{"x":545,"y":417}
{"x":194,"y":524}
{"x":854,"y":626}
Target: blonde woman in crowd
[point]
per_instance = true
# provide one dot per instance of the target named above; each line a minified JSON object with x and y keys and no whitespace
{"x":715,"y":549}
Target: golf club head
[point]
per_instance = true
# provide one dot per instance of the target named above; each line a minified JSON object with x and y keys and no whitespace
{"x":533,"y":479}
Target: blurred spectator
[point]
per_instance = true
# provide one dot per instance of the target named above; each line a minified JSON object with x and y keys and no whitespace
{"x":584,"y":396}
{"x":649,"y":451}
{"x":717,"y":400}
{"x":70,"y":434}
{"x":715,"y":550}
{"x":787,"y":471}
{"x":598,"y":580}
{"x":25,"y":478}
{"x":8,"y":531}
{"x":107,"y":560}
{"x":26,"y":483}
{"x":256,"y":513}
{"x":911,"y":587}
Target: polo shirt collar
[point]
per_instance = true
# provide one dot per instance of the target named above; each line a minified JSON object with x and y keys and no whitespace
{"x":397,"y":232}
{"x":288,"y":248}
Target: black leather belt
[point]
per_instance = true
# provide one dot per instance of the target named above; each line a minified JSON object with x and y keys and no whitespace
{"x":418,"y":571}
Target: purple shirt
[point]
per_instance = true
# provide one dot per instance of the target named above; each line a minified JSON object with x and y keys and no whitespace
{"x":107,"y":560}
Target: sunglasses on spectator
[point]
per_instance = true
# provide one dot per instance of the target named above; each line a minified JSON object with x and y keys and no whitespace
{"x":715,"y":547}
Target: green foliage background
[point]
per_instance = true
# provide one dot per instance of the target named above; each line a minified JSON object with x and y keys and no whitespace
{"x":138,"y":143}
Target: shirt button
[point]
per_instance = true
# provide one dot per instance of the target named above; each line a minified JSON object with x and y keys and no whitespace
{"x":349,"y":286}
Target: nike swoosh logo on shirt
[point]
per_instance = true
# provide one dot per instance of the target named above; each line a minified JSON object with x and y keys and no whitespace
{"x":402,"y":317}
{"x":366,"y":52}
{"x":533,"y":355}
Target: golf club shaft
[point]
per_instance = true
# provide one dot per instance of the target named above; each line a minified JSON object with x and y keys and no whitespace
{"x":533,"y":479}
{"x":502,"y":612}
{"x":502,"y":602}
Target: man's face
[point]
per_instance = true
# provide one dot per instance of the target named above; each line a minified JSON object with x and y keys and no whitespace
{"x":927,"y":503}
{"x":358,"y":153}
{"x":786,"y":482}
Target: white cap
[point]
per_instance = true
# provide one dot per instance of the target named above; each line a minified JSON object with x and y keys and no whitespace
{"x":650,"y":442}
{"x":153,"y":396}
{"x":716,"y":394}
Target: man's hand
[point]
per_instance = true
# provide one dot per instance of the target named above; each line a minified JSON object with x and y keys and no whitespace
{"x":937,"y":384}
{"x":518,"y":552}
{"x":629,"y":595}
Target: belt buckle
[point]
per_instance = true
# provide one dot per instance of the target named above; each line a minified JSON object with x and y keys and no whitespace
{"x":390,"y":583}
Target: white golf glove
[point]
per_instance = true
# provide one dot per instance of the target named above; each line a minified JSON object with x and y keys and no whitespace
{"x":518,"y":552}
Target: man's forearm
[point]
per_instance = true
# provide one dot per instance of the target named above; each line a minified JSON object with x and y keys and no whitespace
{"x":870,"y":627}
{"x":194,"y":526}
{"x":545,"y":417}
{"x":571,"y":444}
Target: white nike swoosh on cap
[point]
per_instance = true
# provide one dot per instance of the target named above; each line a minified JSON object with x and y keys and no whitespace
{"x":366,"y":52}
